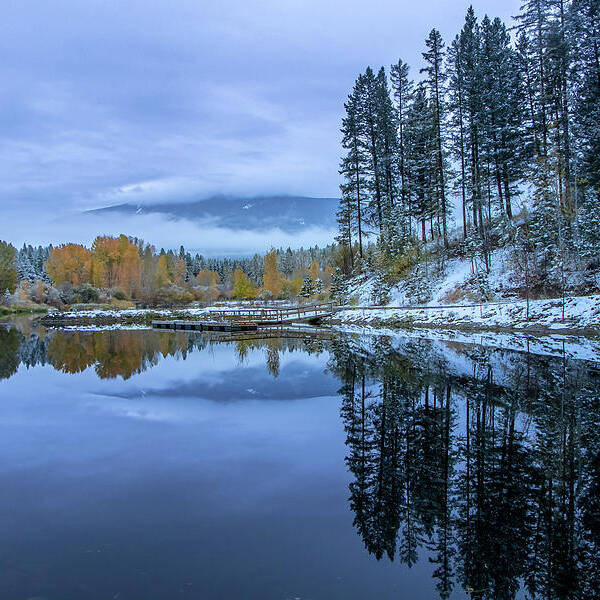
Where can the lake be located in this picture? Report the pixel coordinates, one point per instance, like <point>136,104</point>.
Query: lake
<point>158,465</point>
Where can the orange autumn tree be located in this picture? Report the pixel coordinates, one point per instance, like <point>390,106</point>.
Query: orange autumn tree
<point>129,275</point>
<point>315,270</point>
<point>116,263</point>
<point>209,279</point>
<point>105,261</point>
<point>272,279</point>
<point>162,275</point>
<point>69,263</point>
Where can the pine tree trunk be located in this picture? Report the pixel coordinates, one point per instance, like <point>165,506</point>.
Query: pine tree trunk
<point>440,157</point>
<point>565,116</point>
<point>358,211</point>
<point>462,167</point>
<point>507,199</point>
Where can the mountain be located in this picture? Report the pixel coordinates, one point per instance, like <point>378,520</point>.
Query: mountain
<point>288,213</point>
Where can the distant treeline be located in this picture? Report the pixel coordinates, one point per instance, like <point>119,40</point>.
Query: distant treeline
<point>129,268</point>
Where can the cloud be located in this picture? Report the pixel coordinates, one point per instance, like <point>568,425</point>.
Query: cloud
<point>100,98</point>
<point>205,238</point>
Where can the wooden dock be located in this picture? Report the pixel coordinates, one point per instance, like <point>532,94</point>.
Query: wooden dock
<point>275,316</point>
<point>250,319</point>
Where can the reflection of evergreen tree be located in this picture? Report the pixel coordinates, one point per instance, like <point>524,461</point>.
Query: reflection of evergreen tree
<point>505,495</point>
<point>9,347</point>
<point>33,349</point>
<point>554,569</point>
<point>443,540</point>
<point>359,432</point>
<point>495,490</point>
<point>273,363</point>
<point>589,500</point>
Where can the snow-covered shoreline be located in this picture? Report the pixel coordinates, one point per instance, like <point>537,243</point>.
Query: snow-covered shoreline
<point>581,316</point>
<point>580,313</point>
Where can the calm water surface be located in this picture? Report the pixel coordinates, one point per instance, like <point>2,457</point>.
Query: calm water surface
<point>160,465</point>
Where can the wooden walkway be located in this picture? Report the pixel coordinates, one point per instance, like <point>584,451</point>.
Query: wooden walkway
<point>250,319</point>
<point>275,316</point>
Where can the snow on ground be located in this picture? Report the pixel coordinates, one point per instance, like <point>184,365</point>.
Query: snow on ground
<point>116,326</point>
<point>138,312</point>
<point>579,312</point>
<point>124,313</point>
<point>432,288</point>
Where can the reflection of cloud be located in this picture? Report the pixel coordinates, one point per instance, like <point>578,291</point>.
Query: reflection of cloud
<point>295,382</point>
<point>206,238</point>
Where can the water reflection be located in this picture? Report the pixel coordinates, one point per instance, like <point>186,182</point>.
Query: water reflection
<point>124,353</point>
<point>482,461</point>
<point>487,460</point>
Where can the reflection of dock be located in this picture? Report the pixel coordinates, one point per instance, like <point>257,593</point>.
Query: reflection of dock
<point>250,319</point>
<point>204,326</point>
<point>299,333</point>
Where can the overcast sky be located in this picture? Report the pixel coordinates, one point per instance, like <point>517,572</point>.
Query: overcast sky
<point>105,101</point>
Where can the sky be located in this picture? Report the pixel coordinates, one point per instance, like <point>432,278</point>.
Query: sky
<point>104,102</point>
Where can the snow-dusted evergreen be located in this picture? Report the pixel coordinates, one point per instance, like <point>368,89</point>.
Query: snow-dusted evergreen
<point>500,131</point>
<point>30,263</point>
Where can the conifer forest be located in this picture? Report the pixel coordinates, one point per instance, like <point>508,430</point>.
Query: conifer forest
<point>494,143</point>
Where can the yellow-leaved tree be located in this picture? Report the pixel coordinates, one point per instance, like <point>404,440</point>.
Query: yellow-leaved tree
<point>162,276</point>
<point>315,270</point>
<point>116,262</point>
<point>70,263</point>
<point>243,288</point>
<point>272,279</point>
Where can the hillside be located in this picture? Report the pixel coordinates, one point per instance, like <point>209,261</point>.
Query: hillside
<point>260,213</point>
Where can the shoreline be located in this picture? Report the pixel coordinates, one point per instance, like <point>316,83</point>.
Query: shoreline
<point>576,316</point>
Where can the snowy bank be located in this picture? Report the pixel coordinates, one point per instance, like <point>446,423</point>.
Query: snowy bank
<point>582,312</point>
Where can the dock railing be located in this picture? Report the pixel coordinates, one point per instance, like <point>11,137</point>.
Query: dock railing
<point>275,314</point>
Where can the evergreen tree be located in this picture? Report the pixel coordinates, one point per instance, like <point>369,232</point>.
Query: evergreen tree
<point>307,289</point>
<point>457,105</point>
<point>380,293</point>
<point>402,88</point>
<point>338,291</point>
<point>502,95</point>
<point>353,169</point>
<point>388,128</point>
<point>420,159</point>
<point>318,286</point>
<point>370,126</point>
<point>584,20</point>
<point>436,78</point>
